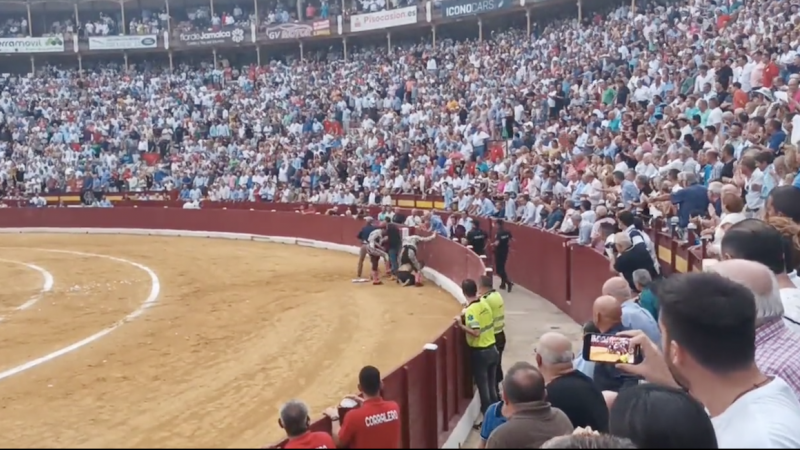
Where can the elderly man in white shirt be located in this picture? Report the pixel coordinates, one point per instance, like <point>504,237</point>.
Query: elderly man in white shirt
<point>752,180</point>
<point>646,167</point>
<point>594,189</point>
<point>529,210</point>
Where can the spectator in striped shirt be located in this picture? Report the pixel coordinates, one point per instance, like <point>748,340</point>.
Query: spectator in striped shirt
<point>777,347</point>
<point>712,170</point>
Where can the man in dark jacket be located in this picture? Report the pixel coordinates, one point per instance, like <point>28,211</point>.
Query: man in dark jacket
<point>394,243</point>
<point>477,238</point>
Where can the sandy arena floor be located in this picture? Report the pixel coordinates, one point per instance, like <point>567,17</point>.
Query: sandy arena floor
<point>238,328</point>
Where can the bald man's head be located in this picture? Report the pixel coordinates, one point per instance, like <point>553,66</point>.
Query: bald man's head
<point>607,312</point>
<point>761,282</point>
<point>553,349</point>
<point>729,189</point>
<point>523,383</point>
<point>618,288</point>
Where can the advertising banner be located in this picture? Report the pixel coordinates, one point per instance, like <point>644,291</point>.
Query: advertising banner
<point>123,42</point>
<point>383,19</point>
<point>286,31</point>
<point>32,44</point>
<point>460,8</point>
<point>322,27</point>
<point>232,35</point>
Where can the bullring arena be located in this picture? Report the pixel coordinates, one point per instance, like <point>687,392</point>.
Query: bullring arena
<point>120,340</point>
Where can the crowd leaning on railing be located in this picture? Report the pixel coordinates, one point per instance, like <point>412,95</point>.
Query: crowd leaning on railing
<point>668,117</point>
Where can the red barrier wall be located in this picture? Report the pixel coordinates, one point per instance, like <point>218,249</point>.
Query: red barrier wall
<point>570,276</point>
<point>433,388</point>
<point>589,269</point>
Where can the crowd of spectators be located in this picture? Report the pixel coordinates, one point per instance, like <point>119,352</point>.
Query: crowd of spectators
<point>680,115</point>
<point>140,21</point>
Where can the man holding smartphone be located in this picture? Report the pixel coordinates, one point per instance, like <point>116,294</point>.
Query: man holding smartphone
<point>607,316</point>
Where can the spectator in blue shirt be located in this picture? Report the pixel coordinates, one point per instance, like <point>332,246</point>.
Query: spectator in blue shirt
<point>448,195</point>
<point>580,364</point>
<point>692,200</point>
<point>555,218</point>
<point>634,316</point>
<point>630,193</point>
<point>436,224</point>
<point>492,419</point>
<point>510,207</point>
<point>487,206</point>
<point>776,134</point>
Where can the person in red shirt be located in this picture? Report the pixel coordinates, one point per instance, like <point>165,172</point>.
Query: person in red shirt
<point>295,421</point>
<point>771,71</point>
<point>375,423</point>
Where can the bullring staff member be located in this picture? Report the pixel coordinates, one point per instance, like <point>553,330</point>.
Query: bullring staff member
<point>375,249</point>
<point>407,274</point>
<point>501,246</point>
<point>408,254</point>
<point>477,238</point>
<point>494,301</point>
<point>295,421</point>
<point>395,243</point>
<point>374,424</point>
<point>478,324</point>
<point>363,237</point>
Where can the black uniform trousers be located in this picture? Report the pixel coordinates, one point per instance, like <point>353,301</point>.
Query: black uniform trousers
<point>500,258</point>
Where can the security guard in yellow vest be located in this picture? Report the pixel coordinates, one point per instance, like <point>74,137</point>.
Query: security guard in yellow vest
<point>494,301</point>
<point>478,324</point>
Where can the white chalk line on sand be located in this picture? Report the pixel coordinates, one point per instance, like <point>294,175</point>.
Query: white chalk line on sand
<point>47,284</point>
<point>152,298</point>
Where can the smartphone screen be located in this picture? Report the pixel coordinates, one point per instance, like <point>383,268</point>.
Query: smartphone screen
<point>608,348</point>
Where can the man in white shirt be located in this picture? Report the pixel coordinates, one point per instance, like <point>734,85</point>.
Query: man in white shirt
<point>705,76</point>
<point>594,189</point>
<point>709,338</point>
<point>646,167</point>
<point>715,116</point>
<point>529,212</point>
<point>753,182</point>
<point>566,224</point>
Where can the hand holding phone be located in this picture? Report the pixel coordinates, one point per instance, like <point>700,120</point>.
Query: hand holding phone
<point>610,348</point>
<point>652,367</point>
